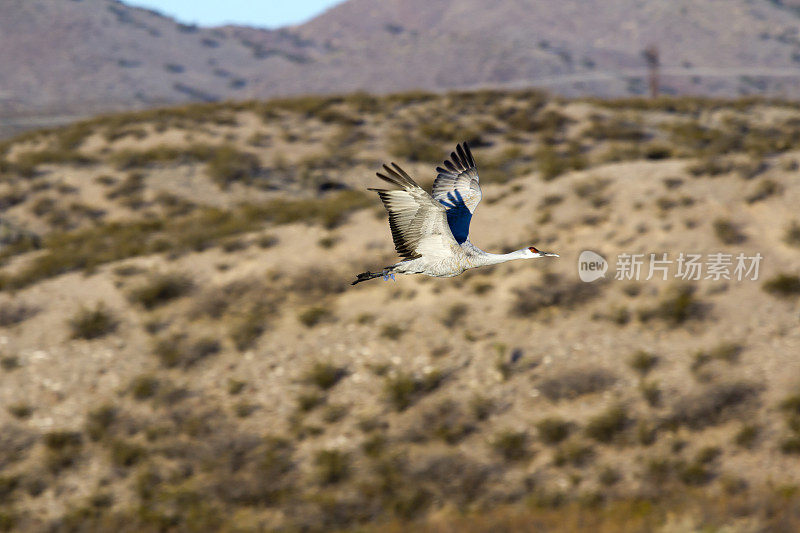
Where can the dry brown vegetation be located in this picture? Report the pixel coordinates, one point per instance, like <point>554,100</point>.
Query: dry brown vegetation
<point>180,348</point>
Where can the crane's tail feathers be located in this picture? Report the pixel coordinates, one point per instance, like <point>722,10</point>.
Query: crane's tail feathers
<point>386,273</point>
<point>366,276</point>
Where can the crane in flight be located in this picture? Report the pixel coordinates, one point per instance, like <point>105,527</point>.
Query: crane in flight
<point>431,231</point>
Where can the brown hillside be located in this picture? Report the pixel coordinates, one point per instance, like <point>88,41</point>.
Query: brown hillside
<point>180,348</point>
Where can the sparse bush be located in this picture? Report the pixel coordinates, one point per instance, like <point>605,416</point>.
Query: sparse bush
<point>100,420</point>
<point>20,410</point>
<point>126,454</point>
<point>727,232</point>
<point>573,453</point>
<point>228,165</point>
<point>643,362</point>
<point>572,383</point>
<point>792,235</point>
<point>604,427</point>
<point>392,331</point>
<point>324,375</point>
<point>177,351</point>
<point>783,285</point>
<point>454,314</point>
<point>553,293</point>
<point>404,389</point>
<point>711,405</point>
<point>92,323</point>
<point>9,362</point>
<point>746,436</point>
<point>333,466</point>
<point>650,392</point>
<point>609,476</point>
<point>678,306</point>
<point>308,401</point>
<point>511,445</point>
<point>161,289</point>
<point>144,387</point>
<point>445,421</point>
<point>63,448</point>
<point>553,430</point>
<point>314,315</point>
<point>764,190</point>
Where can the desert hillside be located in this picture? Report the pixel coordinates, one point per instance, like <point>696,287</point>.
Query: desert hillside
<point>180,348</point>
<point>62,58</point>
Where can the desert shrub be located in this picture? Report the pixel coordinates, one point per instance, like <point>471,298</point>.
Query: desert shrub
<point>746,436</point>
<point>677,306</point>
<point>481,407</point>
<point>176,351</point>
<point>609,476</point>
<point>20,410</point>
<point>309,400</point>
<point>312,316</point>
<point>62,449</point>
<point>454,314</point>
<point>553,162</point>
<point>711,405</point>
<point>413,147</point>
<point>650,392</point>
<point>643,362</point>
<point>161,289</point>
<point>710,166</point>
<point>92,323</point>
<point>144,386</point>
<point>763,190</point>
<point>333,466</point>
<point>13,313</point>
<point>324,375</point>
<point>575,382</point>
<point>228,165</point>
<point>132,185</point>
<point>574,453</point>
<point>235,386</point>
<point>511,445</point>
<point>404,389</point>
<point>9,362</point>
<point>125,454</point>
<point>446,421</point>
<point>728,232</point>
<point>605,426</point>
<point>783,285</point>
<point>247,327</point>
<point>554,292</point>
<point>553,430</point>
<point>792,235</point>
<point>99,420</point>
<point>392,331</point>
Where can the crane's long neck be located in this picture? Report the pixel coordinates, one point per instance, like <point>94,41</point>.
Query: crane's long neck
<point>496,259</point>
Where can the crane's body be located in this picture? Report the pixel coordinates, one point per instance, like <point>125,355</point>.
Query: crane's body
<point>431,230</point>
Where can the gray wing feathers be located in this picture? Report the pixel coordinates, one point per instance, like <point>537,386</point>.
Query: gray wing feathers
<point>418,223</point>
<point>458,181</point>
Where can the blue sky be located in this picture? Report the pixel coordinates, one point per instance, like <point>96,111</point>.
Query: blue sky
<point>260,13</point>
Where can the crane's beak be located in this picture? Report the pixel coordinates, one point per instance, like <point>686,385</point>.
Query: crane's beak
<point>548,254</point>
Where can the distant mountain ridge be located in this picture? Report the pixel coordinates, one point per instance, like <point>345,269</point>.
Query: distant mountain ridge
<point>80,56</point>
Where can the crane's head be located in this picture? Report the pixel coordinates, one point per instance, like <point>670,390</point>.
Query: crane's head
<point>533,252</point>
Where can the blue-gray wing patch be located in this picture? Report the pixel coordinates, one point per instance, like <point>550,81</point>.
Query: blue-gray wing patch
<point>458,189</point>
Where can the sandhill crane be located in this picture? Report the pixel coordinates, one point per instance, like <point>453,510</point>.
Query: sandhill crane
<point>430,231</point>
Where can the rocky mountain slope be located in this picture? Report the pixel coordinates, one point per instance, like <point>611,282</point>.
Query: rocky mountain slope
<point>61,58</point>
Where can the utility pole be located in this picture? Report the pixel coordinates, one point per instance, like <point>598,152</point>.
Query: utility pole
<point>651,56</point>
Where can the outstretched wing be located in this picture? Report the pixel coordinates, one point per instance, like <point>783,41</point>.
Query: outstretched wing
<point>418,223</point>
<point>458,189</point>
